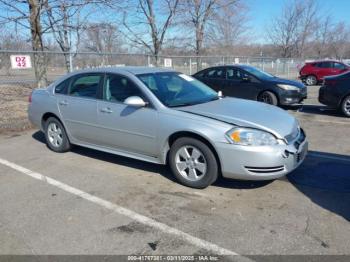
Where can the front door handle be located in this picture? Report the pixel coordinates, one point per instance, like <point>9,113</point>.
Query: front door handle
<point>63,103</point>
<point>106,110</point>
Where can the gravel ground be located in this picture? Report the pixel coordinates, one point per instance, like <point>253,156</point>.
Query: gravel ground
<point>13,107</point>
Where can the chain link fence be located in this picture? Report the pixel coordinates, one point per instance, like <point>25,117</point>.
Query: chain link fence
<point>17,77</point>
<point>58,64</point>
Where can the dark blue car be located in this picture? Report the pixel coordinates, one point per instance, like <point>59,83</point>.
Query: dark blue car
<point>248,82</point>
<point>335,92</point>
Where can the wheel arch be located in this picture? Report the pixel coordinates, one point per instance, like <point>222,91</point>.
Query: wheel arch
<point>314,75</point>
<point>46,116</point>
<point>343,98</point>
<point>269,90</point>
<point>173,137</point>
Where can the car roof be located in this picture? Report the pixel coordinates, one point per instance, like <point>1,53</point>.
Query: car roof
<point>320,61</point>
<point>242,66</point>
<point>135,70</point>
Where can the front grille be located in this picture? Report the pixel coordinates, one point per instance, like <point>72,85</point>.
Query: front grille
<point>264,169</point>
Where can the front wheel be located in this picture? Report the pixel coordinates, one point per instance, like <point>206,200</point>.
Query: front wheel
<point>345,106</point>
<point>193,163</point>
<point>268,98</point>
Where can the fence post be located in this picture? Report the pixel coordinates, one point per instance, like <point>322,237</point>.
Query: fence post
<point>148,61</point>
<point>70,61</point>
<point>190,66</point>
<point>263,64</point>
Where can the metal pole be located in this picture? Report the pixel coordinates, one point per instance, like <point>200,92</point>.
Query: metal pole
<point>190,66</point>
<point>70,61</point>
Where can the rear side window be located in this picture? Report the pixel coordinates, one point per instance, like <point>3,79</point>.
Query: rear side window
<point>85,86</point>
<point>324,65</point>
<point>62,87</point>
<point>216,73</point>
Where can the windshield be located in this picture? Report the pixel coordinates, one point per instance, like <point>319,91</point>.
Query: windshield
<point>258,73</point>
<point>175,89</point>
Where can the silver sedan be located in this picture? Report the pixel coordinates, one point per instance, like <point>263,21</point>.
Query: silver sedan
<point>166,117</point>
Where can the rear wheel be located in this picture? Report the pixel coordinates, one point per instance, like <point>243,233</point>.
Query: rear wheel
<point>311,80</point>
<point>268,98</point>
<point>56,137</point>
<point>345,106</point>
<point>193,163</point>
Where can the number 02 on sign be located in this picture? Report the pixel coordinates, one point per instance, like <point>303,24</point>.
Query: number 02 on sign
<point>20,62</point>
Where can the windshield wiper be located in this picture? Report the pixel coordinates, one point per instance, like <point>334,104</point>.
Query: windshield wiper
<point>195,103</point>
<point>182,104</point>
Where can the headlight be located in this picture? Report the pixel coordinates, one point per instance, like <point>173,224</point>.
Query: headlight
<point>288,87</point>
<point>251,137</point>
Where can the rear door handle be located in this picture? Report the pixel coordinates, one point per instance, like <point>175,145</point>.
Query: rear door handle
<point>63,103</point>
<point>106,110</point>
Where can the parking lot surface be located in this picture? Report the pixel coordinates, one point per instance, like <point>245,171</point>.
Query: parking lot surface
<point>89,202</point>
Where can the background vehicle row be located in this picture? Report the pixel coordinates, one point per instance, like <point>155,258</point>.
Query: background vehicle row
<point>248,82</point>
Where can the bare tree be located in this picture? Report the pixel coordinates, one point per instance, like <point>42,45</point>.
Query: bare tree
<point>62,19</point>
<point>103,38</point>
<point>229,28</point>
<point>307,25</point>
<point>339,40</point>
<point>322,35</point>
<point>197,14</point>
<point>28,14</point>
<point>147,27</point>
<point>283,31</point>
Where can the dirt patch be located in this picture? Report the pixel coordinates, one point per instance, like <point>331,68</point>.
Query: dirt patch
<point>13,107</point>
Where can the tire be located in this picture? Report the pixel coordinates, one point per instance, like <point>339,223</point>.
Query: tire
<point>193,163</point>
<point>268,98</point>
<point>345,106</point>
<point>56,136</point>
<point>311,80</point>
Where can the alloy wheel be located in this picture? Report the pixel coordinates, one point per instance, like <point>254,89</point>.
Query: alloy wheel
<point>55,135</point>
<point>311,80</point>
<point>266,98</point>
<point>346,105</point>
<point>191,163</point>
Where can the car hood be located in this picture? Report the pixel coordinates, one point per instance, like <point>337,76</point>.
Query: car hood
<point>277,80</point>
<point>247,113</point>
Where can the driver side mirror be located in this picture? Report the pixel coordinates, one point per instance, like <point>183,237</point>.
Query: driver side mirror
<point>135,101</point>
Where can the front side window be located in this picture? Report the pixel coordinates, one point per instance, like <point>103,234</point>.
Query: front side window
<point>85,86</point>
<point>258,73</point>
<point>339,66</point>
<point>235,74</point>
<point>117,88</point>
<point>175,89</point>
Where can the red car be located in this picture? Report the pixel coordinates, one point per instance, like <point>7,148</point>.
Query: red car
<point>314,72</point>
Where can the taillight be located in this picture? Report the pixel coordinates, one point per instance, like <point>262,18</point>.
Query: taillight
<point>30,97</point>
